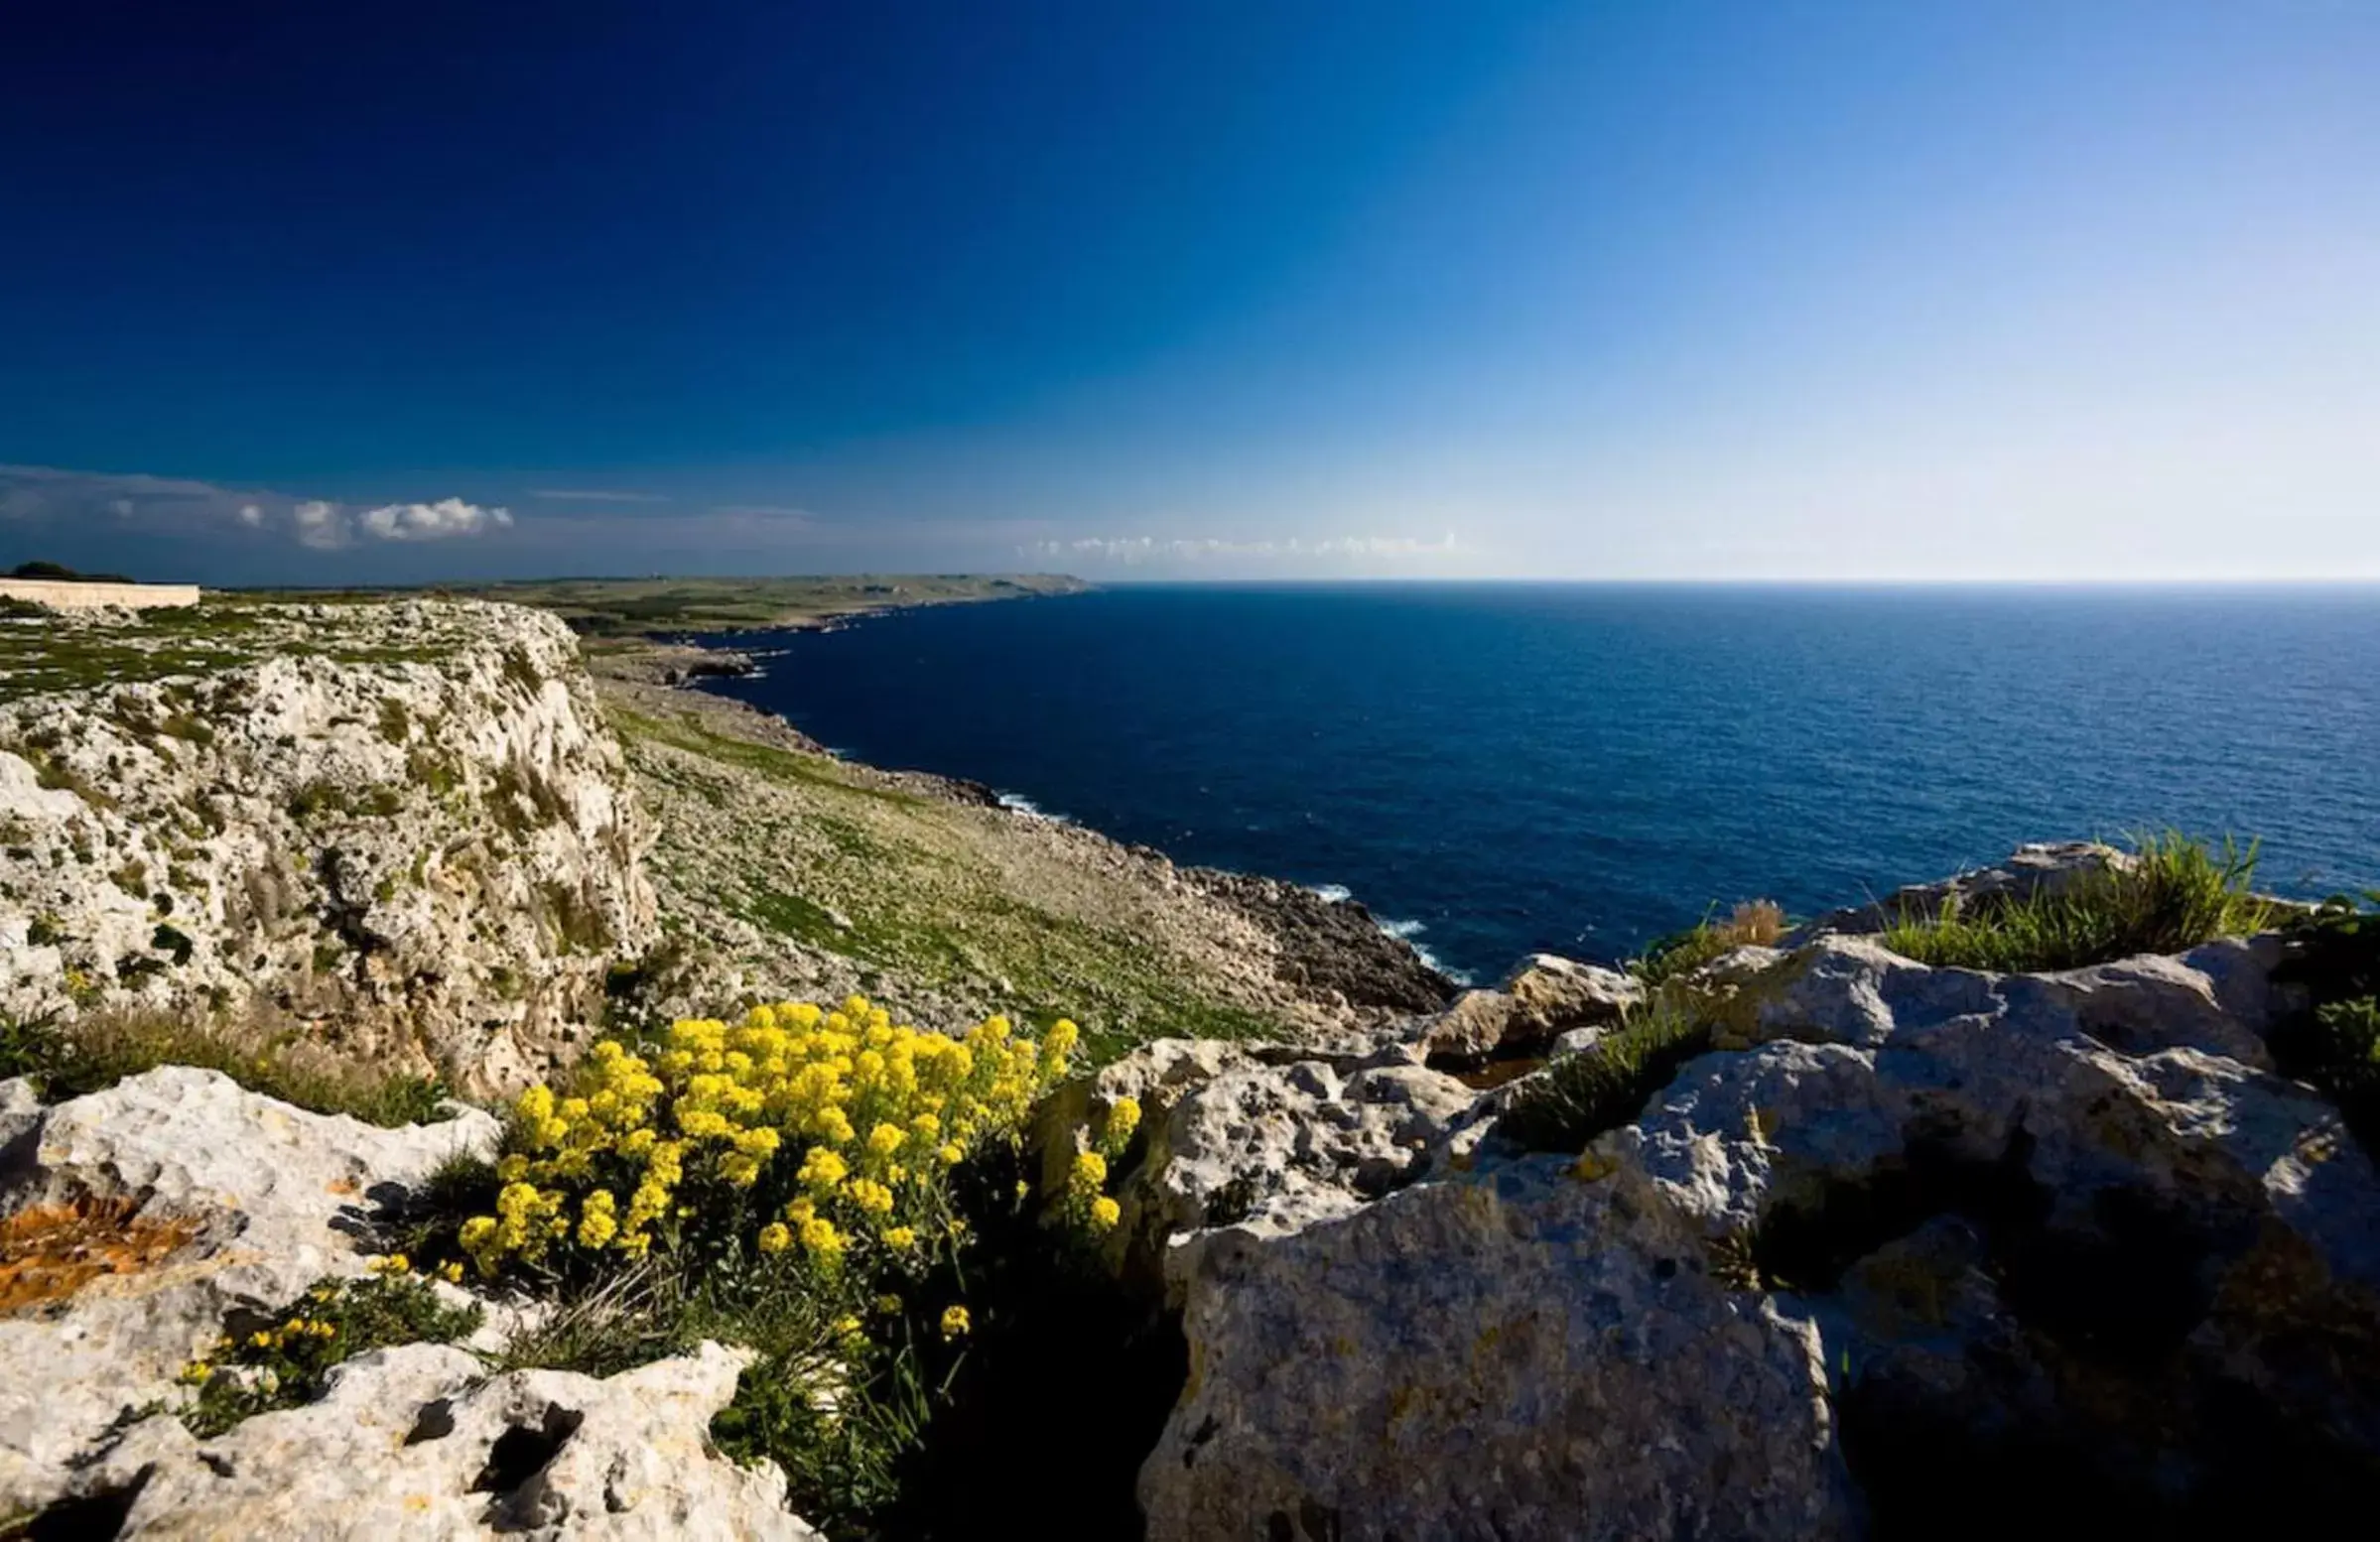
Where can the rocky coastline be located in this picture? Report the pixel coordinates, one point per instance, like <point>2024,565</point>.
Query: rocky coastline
<point>1789,1233</point>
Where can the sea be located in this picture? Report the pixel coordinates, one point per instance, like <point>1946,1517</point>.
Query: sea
<point>1502,769</point>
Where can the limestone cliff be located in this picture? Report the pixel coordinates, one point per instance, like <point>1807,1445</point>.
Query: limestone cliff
<point>403,826</point>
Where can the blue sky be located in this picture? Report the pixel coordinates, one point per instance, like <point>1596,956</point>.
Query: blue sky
<point>1271,289</point>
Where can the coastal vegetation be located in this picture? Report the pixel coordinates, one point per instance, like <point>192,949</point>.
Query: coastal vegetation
<point>892,888</point>
<point>1750,923</point>
<point>283,1362</point>
<point>1580,1097</point>
<point>254,1049</point>
<point>2170,894</point>
<point>808,1183</point>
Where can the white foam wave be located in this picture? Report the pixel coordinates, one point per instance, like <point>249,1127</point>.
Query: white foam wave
<point>1334,893</point>
<point>1018,803</point>
<point>1407,932</point>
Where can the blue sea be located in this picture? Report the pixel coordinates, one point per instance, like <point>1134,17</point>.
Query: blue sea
<point>1500,769</point>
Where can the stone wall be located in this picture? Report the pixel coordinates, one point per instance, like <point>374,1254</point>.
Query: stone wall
<point>72,594</point>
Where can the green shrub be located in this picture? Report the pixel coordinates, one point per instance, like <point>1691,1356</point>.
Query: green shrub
<point>2174,894</point>
<point>1580,1097</point>
<point>283,1362</point>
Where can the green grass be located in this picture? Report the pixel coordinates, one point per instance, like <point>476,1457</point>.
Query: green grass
<point>2175,894</point>
<point>919,908</point>
<point>1755,923</point>
<point>1580,1097</point>
<point>100,1049</point>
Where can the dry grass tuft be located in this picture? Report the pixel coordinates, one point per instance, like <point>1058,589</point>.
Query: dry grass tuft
<point>47,1252</point>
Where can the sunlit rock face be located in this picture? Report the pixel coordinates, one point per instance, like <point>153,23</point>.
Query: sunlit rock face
<point>400,827</point>
<point>1912,1237</point>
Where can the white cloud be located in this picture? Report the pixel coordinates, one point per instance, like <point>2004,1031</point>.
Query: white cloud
<point>430,521</point>
<point>319,525</point>
<point>33,498</point>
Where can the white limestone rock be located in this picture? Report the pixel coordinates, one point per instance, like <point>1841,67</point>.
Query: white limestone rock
<point>416,1442</point>
<point>274,1198</point>
<point>403,826</point>
<point>1910,1199</point>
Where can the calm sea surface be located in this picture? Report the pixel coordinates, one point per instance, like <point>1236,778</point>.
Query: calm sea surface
<point>1500,769</point>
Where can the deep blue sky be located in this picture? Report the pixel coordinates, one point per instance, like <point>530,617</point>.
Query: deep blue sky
<point>1852,289</point>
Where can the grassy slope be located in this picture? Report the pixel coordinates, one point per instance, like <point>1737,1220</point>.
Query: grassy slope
<point>837,872</point>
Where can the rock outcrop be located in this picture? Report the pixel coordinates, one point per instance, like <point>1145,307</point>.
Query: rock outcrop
<point>1914,1243</point>
<point>418,1442</point>
<point>1545,998</point>
<point>403,826</point>
<point>140,1220</point>
<point>2035,868</point>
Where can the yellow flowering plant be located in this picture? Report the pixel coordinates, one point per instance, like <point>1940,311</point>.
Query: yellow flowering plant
<point>799,1136</point>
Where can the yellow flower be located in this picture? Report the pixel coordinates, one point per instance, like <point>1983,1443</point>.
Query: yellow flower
<point>261,1340</point>
<point>1089,1173</point>
<point>900,1236</point>
<point>950,1153</point>
<point>450,1272</point>
<point>885,1140</point>
<point>1105,1213</point>
<point>849,1327</point>
<point>774,1237</point>
<point>953,1322</point>
<point>822,1168</point>
<point>820,1238</point>
<point>1123,1117</point>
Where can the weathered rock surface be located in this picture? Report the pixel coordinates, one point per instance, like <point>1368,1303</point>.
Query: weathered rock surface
<point>403,824</point>
<point>1916,1238</point>
<point>1545,998</point>
<point>260,1199</point>
<point>416,1442</point>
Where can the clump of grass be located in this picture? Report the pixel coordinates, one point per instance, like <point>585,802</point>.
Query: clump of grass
<point>1753,923</point>
<point>100,1049</point>
<point>1580,1097</point>
<point>285,1362</point>
<point>2174,894</point>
